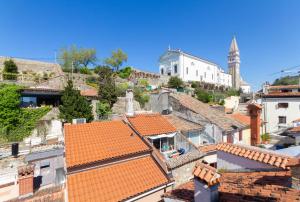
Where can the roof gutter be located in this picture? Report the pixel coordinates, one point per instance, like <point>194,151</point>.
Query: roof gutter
<point>150,192</point>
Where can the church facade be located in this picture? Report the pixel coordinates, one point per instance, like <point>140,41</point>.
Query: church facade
<point>192,68</point>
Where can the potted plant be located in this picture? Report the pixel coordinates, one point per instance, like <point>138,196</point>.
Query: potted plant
<point>265,138</point>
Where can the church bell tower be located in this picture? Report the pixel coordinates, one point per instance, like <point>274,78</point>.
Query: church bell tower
<point>234,64</point>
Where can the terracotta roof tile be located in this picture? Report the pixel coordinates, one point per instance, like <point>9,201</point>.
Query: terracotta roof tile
<point>97,141</point>
<point>257,186</point>
<point>295,129</point>
<point>284,87</point>
<point>184,192</point>
<point>116,182</point>
<point>282,94</point>
<point>206,173</point>
<point>208,148</point>
<point>256,154</point>
<point>89,93</point>
<point>151,124</point>
<point>215,116</point>
<point>241,118</point>
<point>182,124</point>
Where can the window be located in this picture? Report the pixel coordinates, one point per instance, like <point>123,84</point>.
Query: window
<point>162,71</point>
<point>196,72</point>
<point>187,70</point>
<point>212,77</point>
<point>229,138</point>
<point>204,74</point>
<point>192,63</point>
<point>208,68</point>
<point>175,69</point>
<point>201,78</point>
<point>282,119</point>
<point>283,105</point>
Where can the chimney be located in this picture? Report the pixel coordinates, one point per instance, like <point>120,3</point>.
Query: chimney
<point>255,123</point>
<point>25,177</point>
<point>129,103</point>
<point>294,164</point>
<point>266,87</point>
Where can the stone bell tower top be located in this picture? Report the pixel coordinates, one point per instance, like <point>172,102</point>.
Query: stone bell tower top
<point>234,64</point>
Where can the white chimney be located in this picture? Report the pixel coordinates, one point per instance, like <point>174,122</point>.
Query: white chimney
<point>129,103</point>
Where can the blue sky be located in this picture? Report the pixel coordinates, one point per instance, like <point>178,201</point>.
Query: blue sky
<point>268,32</point>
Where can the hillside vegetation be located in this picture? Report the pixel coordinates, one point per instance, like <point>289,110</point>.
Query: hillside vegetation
<point>286,80</point>
<point>15,122</point>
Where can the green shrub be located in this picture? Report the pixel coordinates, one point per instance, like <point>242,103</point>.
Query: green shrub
<point>143,82</point>
<point>103,110</point>
<point>203,95</point>
<point>85,70</point>
<point>175,82</point>
<point>10,70</point>
<point>121,89</point>
<point>141,96</point>
<point>265,137</point>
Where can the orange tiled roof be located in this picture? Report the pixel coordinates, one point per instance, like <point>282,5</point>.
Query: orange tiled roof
<point>184,192</point>
<point>282,94</point>
<point>244,119</point>
<point>297,120</point>
<point>182,124</point>
<point>284,87</point>
<point>256,154</point>
<point>257,186</point>
<point>295,129</point>
<point>97,141</point>
<point>89,93</point>
<point>208,148</point>
<point>207,174</point>
<point>116,182</point>
<point>151,124</point>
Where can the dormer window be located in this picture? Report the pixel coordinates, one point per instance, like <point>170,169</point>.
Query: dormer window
<point>162,71</point>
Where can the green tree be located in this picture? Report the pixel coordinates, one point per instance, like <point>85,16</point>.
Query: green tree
<point>74,105</point>
<point>103,110</point>
<point>116,60</point>
<point>140,96</point>
<point>80,57</point>
<point>175,82</point>
<point>125,72</point>
<point>10,70</point>
<point>107,87</point>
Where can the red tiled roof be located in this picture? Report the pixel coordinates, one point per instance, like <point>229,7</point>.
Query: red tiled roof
<point>284,87</point>
<point>182,124</point>
<point>257,186</point>
<point>241,118</point>
<point>97,141</point>
<point>256,154</point>
<point>184,192</point>
<point>89,93</point>
<point>151,124</point>
<point>295,129</point>
<point>116,182</point>
<point>282,94</point>
<point>208,148</point>
<point>206,173</point>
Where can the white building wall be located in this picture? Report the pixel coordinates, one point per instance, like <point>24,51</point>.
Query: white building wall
<point>190,68</point>
<point>271,112</point>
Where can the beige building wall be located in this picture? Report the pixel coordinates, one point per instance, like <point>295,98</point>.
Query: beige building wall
<point>246,136</point>
<point>156,196</point>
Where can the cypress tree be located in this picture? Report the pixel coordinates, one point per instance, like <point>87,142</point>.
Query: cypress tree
<point>74,105</point>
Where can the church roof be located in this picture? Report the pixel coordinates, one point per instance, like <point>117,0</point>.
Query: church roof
<point>233,46</point>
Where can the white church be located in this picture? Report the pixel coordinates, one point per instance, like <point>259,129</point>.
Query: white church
<point>192,68</point>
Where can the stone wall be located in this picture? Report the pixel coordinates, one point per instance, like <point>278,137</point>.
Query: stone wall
<point>183,173</point>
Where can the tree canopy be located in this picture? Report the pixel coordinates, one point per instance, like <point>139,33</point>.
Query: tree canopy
<point>116,60</point>
<point>10,70</point>
<point>80,57</point>
<point>107,87</point>
<point>74,105</point>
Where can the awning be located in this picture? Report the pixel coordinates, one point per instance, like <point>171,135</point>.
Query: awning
<point>210,159</point>
<point>169,135</point>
